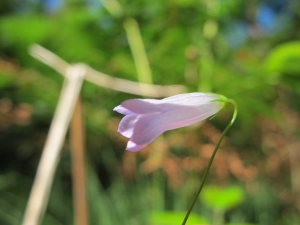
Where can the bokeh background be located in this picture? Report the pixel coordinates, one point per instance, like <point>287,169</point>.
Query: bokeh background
<point>246,50</point>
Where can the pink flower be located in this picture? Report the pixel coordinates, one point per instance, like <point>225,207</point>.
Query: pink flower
<point>145,119</point>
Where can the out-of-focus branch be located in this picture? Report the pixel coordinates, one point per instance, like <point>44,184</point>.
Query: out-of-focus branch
<point>49,58</point>
<point>104,80</point>
<point>39,195</point>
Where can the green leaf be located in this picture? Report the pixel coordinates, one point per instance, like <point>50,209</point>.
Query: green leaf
<point>241,224</point>
<point>171,218</point>
<point>222,198</point>
<point>5,80</point>
<point>25,30</point>
<point>284,58</point>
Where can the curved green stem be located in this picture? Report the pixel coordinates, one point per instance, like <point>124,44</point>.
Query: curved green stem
<point>211,160</point>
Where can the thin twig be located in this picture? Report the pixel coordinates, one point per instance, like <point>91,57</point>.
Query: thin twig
<point>39,195</point>
<point>103,80</point>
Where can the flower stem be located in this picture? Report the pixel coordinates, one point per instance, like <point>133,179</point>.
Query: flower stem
<point>211,159</point>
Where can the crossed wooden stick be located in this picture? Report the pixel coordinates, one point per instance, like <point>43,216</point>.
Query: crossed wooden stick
<point>69,110</point>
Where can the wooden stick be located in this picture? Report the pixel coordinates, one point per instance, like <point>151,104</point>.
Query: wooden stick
<point>78,166</point>
<point>39,195</point>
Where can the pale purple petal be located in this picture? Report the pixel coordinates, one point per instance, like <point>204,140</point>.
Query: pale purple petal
<point>144,132</point>
<point>149,126</point>
<point>133,147</point>
<point>144,106</point>
<point>148,118</point>
<point>191,99</point>
<point>122,110</point>
<point>138,106</point>
<point>127,124</point>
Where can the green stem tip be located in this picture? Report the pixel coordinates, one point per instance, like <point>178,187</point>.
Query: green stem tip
<point>212,158</point>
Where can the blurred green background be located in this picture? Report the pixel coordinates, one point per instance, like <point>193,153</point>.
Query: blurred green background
<point>246,50</point>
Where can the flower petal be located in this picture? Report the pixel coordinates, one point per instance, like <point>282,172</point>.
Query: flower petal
<point>138,106</point>
<point>127,124</point>
<point>149,126</point>
<point>145,130</point>
<point>147,118</point>
<point>133,147</point>
<point>191,99</point>
<point>144,106</point>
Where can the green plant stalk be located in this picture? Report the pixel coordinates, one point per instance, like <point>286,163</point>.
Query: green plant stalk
<point>218,216</point>
<point>211,159</point>
<point>113,7</point>
<point>138,51</point>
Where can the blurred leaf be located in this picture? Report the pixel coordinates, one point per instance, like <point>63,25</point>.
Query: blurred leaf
<point>171,218</point>
<point>184,3</point>
<point>222,198</point>
<point>284,58</point>
<point>24,31</point>
<point>5,80</point>
<point>241,224</point>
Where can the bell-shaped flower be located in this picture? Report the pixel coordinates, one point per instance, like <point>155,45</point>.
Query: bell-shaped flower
<point>145,119</point>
